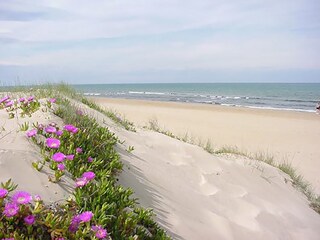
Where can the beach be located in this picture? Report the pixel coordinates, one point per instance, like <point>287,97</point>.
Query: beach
<point>288,136</point>
<point>193,193</point>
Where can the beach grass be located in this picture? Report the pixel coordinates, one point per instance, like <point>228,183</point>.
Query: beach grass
<point>297,180</point>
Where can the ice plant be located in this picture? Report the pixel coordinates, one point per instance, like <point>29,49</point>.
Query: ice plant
<point>4,99</point>
<point>79,150</point>
<point>3,192</point>
<point>59,133</point>
<point>52,124</point>
<point>90,159</point>
<point>86,216</point>
<point>22,197</point>
<point>74,225</point>
<point>30,99</point>
<point>52,100</point>
<point>53,143</point>
<point>9,104</point>
<point>71,128</point>
<point>30,219</point>
<point>99,232</point>
<point>70,157</point>
<point>37,198</point>
<point>80,182</point>
<point>32,133</point>
<point>88,175</point>
<point>61,166</point>
<point>10,209</point>
<point>58,157</point>
<point>22,99</point>
<point>50,129</point>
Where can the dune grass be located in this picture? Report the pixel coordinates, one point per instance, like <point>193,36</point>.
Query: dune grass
<point>297,180</point>
<point>111,114</point>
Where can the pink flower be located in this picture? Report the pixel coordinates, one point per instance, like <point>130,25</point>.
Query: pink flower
<point>90,159</point>
<point>79,150</point>
<point>30,219</point>
<point>52,124</point>
<point>32,133</point>
<point>52,100</point>
<point>4,99</point>
<point>71,128</point>
<point>70,157</point>
<point>99,232</point>
<point>74,225</point>
<point>22,197</point>
<point>3,192</point>
<point>59,133</point>
<point>88,175</point>
<point>9,104</point>
<point>86,216</point>
<point>37,198</point>
<point>50,129</point>
<point>53,143</point>
<point>22,99</point>
<point>30,99</point>
<point>11,209</point>
<point>58,157</point>
<point>61,166</point>
<point>80,182</point>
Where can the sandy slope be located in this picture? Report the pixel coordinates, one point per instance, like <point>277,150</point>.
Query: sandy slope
<point>17,154</point>
<point>197,195</point>
<point>289,136</point>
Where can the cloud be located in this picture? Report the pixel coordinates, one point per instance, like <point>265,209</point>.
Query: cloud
<point>160,35</point>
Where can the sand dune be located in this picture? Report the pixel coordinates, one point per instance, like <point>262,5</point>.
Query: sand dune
<point>288,136</point>
<point>17,154</point>
<point>197,195</point>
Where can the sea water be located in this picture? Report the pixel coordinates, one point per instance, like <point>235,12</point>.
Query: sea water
<point>283,96</point>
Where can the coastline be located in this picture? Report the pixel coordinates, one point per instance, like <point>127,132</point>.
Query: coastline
<point>288,136</point>
<point>194,194</point>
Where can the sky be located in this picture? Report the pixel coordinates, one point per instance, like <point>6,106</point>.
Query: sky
<point>125,41</point>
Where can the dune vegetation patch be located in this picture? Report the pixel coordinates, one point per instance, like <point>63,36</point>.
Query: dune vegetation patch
<point>99,208</point>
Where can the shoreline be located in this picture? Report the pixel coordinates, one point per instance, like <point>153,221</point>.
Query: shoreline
<point>93,96</point>
<point>288,136</point>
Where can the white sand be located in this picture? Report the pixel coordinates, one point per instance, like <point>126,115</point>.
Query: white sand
<point>17,153</point>
<point>288,136</point>
<point>197,195</point>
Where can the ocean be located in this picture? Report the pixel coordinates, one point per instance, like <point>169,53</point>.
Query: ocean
<point>282,96</point>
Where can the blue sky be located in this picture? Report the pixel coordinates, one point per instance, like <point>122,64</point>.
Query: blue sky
<point>122,41</point>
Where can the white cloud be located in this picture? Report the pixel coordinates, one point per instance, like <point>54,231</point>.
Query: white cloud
<point>236,34</point>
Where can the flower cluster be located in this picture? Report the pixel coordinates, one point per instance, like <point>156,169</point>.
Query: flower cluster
<point>30,215</point>
<point>18,204</point>
<point>27,105</point>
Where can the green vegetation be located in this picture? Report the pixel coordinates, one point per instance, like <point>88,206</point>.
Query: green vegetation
<point>100,208</point>
<point>110,202</point>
